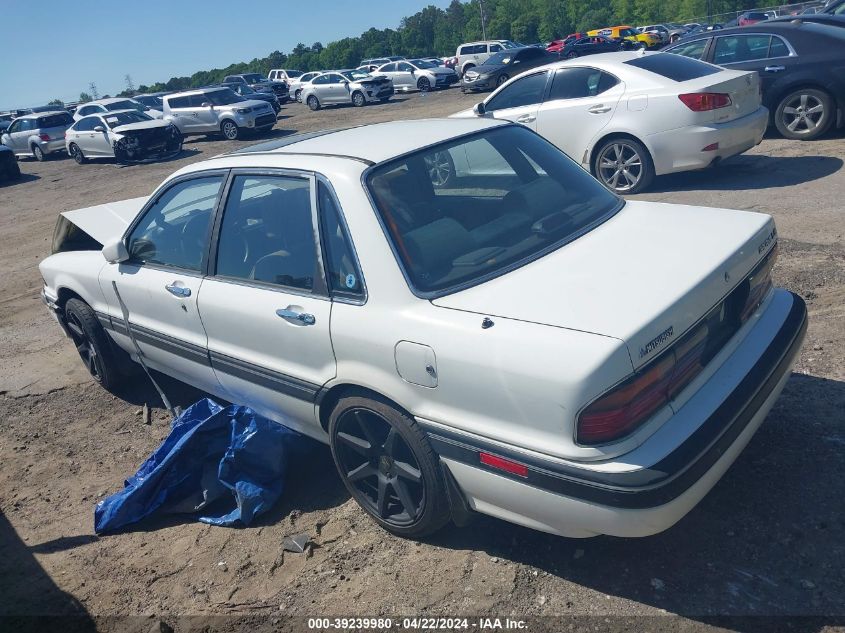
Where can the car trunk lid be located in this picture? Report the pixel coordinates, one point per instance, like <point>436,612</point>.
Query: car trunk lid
<point>645,276</point>
<point>742,87</point>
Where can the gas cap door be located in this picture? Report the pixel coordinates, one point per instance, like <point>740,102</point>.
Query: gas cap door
<point>416,363</point>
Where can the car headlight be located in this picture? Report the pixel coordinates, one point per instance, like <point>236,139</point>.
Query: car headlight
<point>243,110</point>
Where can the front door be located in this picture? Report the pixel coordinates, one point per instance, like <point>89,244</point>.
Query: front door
<point>161,281</point>
<point>98,143</point>
<point>520,100</point>
<point>266,308</point>
<point>580,104</point>
<point>18,134</point>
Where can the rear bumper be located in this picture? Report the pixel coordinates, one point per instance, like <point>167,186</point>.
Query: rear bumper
<point>53,145</point>
<point>681,149</point>
<point>636,495</point>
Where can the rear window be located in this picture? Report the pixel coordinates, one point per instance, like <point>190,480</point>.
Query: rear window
<point>54,120</point>
<point>674,67</point>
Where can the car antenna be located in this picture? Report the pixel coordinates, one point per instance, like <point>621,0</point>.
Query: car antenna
<point>174,412</point>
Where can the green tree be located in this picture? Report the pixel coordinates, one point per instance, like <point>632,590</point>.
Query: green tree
<point>84,97</point>
<point>57,102</point>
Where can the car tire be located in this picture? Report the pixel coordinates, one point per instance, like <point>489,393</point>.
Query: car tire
<point>358,99</point>
<point>14,170</point>
<point>571,55</point>
<point>230,130</point>
<point>388,466</point>
<point>297,96</point>
<point>93,345</point>
<point>797,111</point>
<point>623,158</point>
<point>38,153</point>
<point>502,79</point>
<point>313,103</point>
<point>76,154</point>
<point>423,84</point>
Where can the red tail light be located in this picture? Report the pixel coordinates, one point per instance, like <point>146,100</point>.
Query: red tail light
<point>629,405</point>
<point>704,101</point>
<point>44,137</point>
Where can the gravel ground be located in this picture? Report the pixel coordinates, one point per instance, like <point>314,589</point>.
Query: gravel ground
<point>769,540</point>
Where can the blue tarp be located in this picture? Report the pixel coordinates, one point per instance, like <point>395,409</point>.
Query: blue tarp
<point>213,454</point>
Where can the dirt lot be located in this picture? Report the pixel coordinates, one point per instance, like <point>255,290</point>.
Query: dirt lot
<point>768,540</point>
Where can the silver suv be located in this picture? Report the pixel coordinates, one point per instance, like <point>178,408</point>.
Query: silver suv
<point>38,134</point>
<point>474,54</point>
<point>217,110</point>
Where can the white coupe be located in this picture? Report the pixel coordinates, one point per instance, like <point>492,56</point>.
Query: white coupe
<point>629,116</point>
<point>515,340</point>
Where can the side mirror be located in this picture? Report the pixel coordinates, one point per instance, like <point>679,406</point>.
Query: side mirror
<point>479,109</point>
<point>99,128</point>
<point>115,252</point>
<point>206,104</point>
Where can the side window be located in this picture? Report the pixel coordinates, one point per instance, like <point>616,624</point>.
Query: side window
<point>577,83</point>
<point>196,101</point>
<point>335,79</point>
<point>14,127</point>
<point>267,233</point>
<point>521,92</point>
<point>778,48</point>
<point>690,49</point>
<point>494,48</point>
<point>175,229</point>
<point>405,67</point>
<point>388,68</point>
<point>465,50</point>
<point>179,102</point>
<point>342,271</point>
<point>88,124</point>
<point>733,49</point>
<point>322,79</point>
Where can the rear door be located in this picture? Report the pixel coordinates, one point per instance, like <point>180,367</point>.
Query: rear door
<point>161,281</point>
<point>580,103</point>
<point>184,116</point>
<point>769,55</point>
<point>520,100</point>
<point>266,307</point>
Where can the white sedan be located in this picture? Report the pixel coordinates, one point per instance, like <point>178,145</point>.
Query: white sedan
<point>112,104</point>
<point>486,344</point>
<point>629,116</point>
<point>127,135</point>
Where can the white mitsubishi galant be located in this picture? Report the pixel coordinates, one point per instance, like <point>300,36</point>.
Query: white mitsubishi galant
<point>511,339</point>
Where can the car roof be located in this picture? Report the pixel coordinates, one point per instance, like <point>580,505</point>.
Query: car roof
<point>36,115</point>
<point>796,26</point>
<point>374,143</point>
<point>106,101</point>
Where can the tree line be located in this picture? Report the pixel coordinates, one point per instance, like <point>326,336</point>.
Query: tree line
<point>435,31</point>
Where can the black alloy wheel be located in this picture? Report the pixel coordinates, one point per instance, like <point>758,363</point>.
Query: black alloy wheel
<point>388,467</point>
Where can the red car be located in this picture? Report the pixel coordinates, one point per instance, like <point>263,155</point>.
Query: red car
<point>555,46</point>
<point>751,17</point>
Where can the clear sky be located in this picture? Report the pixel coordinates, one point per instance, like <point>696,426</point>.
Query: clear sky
<point>54,49</point>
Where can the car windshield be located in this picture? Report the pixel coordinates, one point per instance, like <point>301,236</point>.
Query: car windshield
<point>509,44</point>
<point>294,73</point>
<point>421,63</point>
<point>254,78</point>
<point>126,105</point>
<point>153,102</point>
<point>355,75</point>
<point>223,97</point>
<point>627,32</point>
<point>466,210</point>
<point>125,118</point>
<point>245,90</point>
<point>499,59</point>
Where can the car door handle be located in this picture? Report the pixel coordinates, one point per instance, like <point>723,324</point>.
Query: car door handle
<point>526,118</point>
<point>774,69</point>
<point>301,317</point>
<point>178,291</point>
<point>599,109</point>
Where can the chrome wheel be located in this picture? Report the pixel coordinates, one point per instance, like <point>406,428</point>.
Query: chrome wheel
<point>440,168</point>
<point>358,100</point>
<point>38,153</point>
<point>379,467</point>
<point>76,153</point>
<point>620,166</point>
<point>85,347</point>
<point>803,113</point>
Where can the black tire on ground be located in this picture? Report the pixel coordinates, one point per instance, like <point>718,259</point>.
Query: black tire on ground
<point>805,114</point>
<point>358,99</point>
<point>502,79</point>
<point>93,345</point>
<point>313,103</point>
<point>423,84</point>
<point>230,130</point>
<point>298,95</point>
<point>77,154</point>
<point>623,165</point>
<point>14,170</point>
<point>388,466</point>
<point>38,153</point>
<point>571,55</point>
